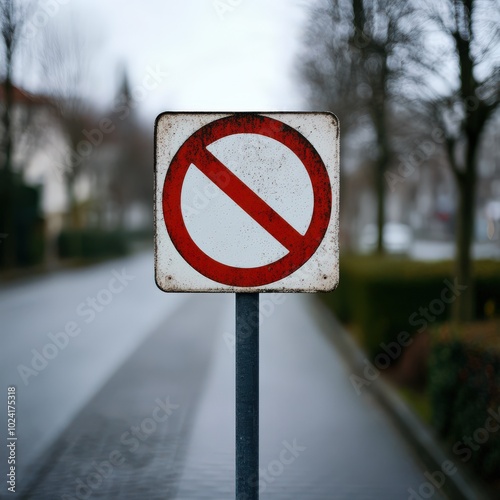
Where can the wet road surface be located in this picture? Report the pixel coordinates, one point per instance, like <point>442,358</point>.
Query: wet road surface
<point>140,404</point>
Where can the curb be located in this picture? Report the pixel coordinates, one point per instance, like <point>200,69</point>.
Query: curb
<point>459,486</point>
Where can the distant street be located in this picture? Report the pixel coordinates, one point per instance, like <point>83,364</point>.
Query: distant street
<point>442,250</point>
<point>140,403</point>
<point>52,393</point>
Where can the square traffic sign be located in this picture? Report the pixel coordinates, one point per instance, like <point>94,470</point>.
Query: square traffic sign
<point>246,202</point>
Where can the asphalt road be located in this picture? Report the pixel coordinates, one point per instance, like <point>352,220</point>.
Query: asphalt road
<point>57,382</point>
<point>140,402</point>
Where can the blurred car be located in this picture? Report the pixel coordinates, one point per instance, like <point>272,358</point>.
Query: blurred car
<point>397,237</point>
<point>492,213</point>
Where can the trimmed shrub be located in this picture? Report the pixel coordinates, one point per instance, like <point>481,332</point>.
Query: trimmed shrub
<point>91,244</point>
<point>384,296</point>
<point>464,388</point>
<point>21,225</point>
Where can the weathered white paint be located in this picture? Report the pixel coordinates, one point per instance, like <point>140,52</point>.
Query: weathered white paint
<point>221,228</point>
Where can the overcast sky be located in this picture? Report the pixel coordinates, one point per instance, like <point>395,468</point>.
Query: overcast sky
<point>206,54</point>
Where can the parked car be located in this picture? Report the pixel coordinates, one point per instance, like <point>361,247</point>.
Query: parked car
<point>397,238</point>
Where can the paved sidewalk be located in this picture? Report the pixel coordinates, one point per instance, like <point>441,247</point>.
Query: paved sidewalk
<point>127,441</point>
<point>319,439</point>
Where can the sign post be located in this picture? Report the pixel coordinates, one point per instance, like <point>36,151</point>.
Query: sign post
<point>246,203</point>
<point>247,395</point>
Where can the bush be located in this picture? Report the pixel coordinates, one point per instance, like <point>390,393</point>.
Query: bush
<point>464,383</point>
<point>21,225</point>
<point>383,295</point>
<point>91,244</point>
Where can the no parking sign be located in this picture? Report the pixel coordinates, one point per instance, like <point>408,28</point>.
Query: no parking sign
<point>246,202</point>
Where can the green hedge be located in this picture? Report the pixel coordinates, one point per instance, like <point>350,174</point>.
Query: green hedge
<point>22,240</point>
<point>383,295</point>
<point>464,388</point>
<point>91,244</point>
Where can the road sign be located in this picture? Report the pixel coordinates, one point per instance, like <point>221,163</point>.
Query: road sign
<point>246,202</point>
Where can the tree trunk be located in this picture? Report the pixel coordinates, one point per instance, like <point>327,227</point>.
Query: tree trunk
<point>10,229</point>
<point>6,120</point>
<point>379,121</point>
<point>380,193</point>
<point>70,194</point>
<point>463,307</point>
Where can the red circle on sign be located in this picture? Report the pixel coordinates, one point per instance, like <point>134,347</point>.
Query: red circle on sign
<point>194,151</point>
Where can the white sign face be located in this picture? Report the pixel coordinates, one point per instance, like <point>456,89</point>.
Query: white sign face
<point>246,202</point>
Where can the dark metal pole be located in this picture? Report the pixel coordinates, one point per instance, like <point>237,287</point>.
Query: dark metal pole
<point>247,396</point>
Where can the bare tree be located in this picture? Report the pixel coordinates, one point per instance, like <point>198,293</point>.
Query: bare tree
<point>12,17</point>
<point>64,59</point>
<point>441,60</point>
<point>348,66</point>
<point>121,170</point>
<point>453,70</point>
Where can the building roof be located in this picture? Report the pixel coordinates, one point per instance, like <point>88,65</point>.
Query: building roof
<point>24,97</point>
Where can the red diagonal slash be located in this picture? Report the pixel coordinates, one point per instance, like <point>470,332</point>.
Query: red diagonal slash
<point>194,152</point>
<point>247,199</point>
